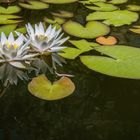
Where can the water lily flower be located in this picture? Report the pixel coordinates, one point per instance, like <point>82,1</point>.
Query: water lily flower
<point>14,56</point>
<point>46,41</point>
<point>49,40</point>
<point>14,52</point>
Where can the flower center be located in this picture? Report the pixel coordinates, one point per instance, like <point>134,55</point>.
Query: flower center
<point>10,45</point>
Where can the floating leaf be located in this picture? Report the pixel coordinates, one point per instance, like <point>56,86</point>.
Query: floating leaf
<point>7,28</point>
<point>21,30</point>
<point>116,18</point>
<point>92,29</point>
<point>34,5</point>
<point>110,40</point>
<point>9,10</point>
<point>59,1</point>
<point>118,1</point>
<point>9,19</point>
<point>133,7</point>
<point>119,61</point>
<point>135,29</point>
<point>63,14</point>
<point>91,1</point>
<point>100,6</point>
<point>42,88</point>
<point>81,47</point>
<point>55,20</point>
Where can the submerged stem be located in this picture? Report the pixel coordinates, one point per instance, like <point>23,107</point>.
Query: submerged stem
<point>4,90</point>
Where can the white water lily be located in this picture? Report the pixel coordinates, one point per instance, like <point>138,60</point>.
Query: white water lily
<point>49,40</point>
<point>14,51</point>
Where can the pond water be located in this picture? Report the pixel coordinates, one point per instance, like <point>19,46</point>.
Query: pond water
<point>101,108</point>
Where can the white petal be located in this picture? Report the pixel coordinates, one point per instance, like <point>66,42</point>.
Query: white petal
<point>18,65</point>
<point>11,38</point>
<point>30,30</point>
<point>37,32</point>
<point>63,40</point>
<point>3,38</point>
<point>41,28</point>
<point>56,49</point>
<point>19,40</point>
<point>48,31</point>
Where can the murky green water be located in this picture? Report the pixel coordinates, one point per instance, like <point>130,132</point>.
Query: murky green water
<point>101,108</point>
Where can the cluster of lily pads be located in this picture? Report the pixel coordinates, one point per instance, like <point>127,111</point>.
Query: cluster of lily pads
<point>33,51</point>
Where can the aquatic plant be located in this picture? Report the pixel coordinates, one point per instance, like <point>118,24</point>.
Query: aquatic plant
<point>19,56</point>
<point>13,54</point>
<point>44,41</point>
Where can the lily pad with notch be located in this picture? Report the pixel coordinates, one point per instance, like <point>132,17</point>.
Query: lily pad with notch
<point>42,88</point>
<point>100,6</point>
<point>91,30</point>
<point>119,61</point>
<point>81,46</point>
<point>9,10</point>
<point>34,5</point>
<point>116,18</point>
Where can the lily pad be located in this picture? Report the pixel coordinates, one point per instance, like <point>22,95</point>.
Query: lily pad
<point>133,7</point>
<point>59,1</point>
<point>135,29</point>
<point>42,88</point>
<point>100,6</point>
<point>7,28</point>
<point>81,47</point>
<point>34,5</point>
<point>118,1</point>
<point>63,14</point>
<point>9,19</point>
<point>116,18</point>
<point>91,1</point>
<point>110,40</point>
<point>21,30</point>
<point>91,30</point>
<point>55,20</point>
<point>9,10</point>
<point>119,61</point>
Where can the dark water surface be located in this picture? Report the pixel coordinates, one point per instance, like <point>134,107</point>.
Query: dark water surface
<point>101,108</point>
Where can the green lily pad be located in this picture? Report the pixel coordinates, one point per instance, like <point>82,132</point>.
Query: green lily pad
<point>119,61</point>
<point>9,19</point>
<point>116,18</point>
<point>55,20</point>
<point>42,88</point>
<point>21,30</point>
<point>34,5</point>
<point>91,1</point>
<point>133,8</point>
<point>135,29</point>
<point>7,28</point>
<point>100,6</point>
<point>81,47</point>
<point>9,10</point>
<point>92,29</point>
<point>118,1</point>
<point>63,14</point>
<point>59,1</point>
